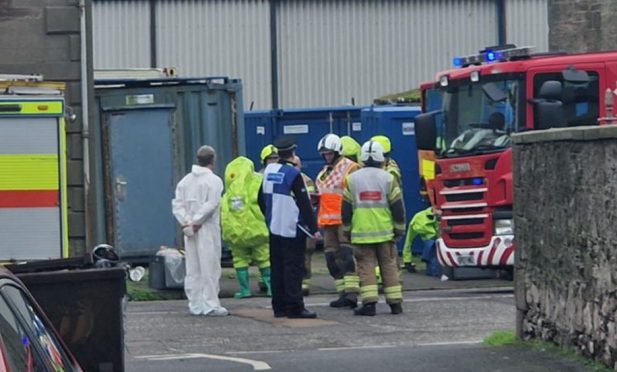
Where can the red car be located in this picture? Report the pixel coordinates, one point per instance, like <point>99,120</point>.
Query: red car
<point>28,341</point>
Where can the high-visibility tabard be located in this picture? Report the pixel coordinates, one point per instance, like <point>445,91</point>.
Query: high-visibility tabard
<point>33,203</point>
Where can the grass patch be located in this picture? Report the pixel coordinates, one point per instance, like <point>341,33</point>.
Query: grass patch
<point>407,97</point>
<point>141,291</point>
<point>500,338</point>
<point>565,352</point>
<point>508,337</point>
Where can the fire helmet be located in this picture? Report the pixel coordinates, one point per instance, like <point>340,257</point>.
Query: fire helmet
<point>330,142</point>
<point>372,153</point>
<point>384,142</point>
<point>267,152</point>
<point>350,147</point>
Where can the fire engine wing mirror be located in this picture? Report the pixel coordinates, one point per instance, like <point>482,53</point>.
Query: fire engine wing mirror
<point>574,76</point>
<point>426,131</point>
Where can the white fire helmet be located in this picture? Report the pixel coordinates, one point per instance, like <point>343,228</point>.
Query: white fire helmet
<point>330,142</point>
<point>372,152</point>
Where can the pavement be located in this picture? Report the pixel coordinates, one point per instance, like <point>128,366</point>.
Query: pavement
<point>322,282</point>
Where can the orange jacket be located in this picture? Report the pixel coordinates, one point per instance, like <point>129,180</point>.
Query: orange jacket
<point>330,183</point>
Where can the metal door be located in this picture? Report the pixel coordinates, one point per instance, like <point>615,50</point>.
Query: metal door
<point>140,180</point>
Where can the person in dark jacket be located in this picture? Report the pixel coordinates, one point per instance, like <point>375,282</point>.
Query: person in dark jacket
<point>285,202</point>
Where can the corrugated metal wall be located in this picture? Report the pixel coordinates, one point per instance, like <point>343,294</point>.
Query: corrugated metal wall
<point>328,50</point>
<point>331,51</point>
<point>121,34</point>
<point>527,23</point>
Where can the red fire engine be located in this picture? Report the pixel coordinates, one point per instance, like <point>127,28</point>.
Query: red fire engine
<point>469,114</point>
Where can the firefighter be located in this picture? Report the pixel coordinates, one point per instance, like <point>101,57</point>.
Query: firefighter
<point>330,184</point>
<point>391,167</point>
<point>351,148</point>
<point>269,154</point>
<point>244,227</point>
<point>423,224</point>
<point>373,216</point>
<point>310,242</point>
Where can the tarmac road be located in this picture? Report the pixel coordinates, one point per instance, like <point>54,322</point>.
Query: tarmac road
<point>440,330</point>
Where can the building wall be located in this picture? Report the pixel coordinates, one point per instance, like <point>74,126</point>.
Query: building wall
<point>582,25</point>
<point>329,51</point>
<point>566,258</point>
<point>43,37</point>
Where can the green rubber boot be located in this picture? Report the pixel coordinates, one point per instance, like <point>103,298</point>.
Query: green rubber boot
<point>243,279</point>
<point>265,275</point>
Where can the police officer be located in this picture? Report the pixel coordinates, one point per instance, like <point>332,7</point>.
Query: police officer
<point>330,184</point>
<point>373,218</point>
<point>285,202</point>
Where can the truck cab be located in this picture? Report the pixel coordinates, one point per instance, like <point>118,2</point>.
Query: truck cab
<point>469,115</point>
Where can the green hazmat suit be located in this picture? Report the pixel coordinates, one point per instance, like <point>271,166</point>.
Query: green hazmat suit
<point>243,224</point>
<point>424,225</point>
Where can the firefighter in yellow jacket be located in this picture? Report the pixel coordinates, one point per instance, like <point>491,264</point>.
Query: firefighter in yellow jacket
<point>374,218</point>
<point>330,184</point>
<point>243,224</point>
<point>423,224</point>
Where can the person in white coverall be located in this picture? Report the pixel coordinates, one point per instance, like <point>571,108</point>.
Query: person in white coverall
<point>197,208</point>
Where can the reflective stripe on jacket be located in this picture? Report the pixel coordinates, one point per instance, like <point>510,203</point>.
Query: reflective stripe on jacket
<point>331,186</point>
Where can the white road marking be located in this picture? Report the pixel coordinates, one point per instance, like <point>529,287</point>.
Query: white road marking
<point>472,342</point>
<point>256,364</point>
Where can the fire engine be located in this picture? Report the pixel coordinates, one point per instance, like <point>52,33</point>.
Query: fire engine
<point>464,135</point>
<point>33,177</point>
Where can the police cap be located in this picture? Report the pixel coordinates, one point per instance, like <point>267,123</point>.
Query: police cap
<point>285,143</point>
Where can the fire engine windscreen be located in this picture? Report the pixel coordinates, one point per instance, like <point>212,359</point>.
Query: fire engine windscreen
<point>479,117</point>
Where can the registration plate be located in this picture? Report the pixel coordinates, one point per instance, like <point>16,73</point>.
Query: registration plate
<point>466,261</point>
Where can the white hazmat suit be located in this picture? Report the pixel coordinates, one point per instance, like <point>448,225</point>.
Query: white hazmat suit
<point>197,202</point>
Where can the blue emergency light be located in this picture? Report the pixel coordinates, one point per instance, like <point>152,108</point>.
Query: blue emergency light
<point>493,54</point>
<point>478,181</point>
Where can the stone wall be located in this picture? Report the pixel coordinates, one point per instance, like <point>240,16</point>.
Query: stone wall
<point>43,37</point>
<point>582,25</point>
<point>565,191</point>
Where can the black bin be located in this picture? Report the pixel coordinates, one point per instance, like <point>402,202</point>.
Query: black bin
<point>86,308</point>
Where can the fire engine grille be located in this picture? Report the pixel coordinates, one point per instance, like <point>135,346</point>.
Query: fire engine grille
<point>464,197</point>
<point>463,182</point>
<point>466,221</point>
<point>469,235</point>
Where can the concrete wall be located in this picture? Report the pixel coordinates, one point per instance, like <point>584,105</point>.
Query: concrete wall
<point>582,25</point>
<point>43,37</point>
<point>565,191</point>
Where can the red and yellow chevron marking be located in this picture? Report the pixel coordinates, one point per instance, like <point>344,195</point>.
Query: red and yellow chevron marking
<point>29,180</point>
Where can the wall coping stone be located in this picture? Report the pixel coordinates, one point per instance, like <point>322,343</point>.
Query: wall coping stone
<point>591,133</point>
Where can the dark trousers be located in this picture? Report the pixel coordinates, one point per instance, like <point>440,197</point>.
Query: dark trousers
<point>287,270</point>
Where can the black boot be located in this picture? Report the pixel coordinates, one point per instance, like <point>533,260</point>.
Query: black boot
<point>396,308</point>
<point>411,268</point>
<point>366,309</point>
<point>346,300</point>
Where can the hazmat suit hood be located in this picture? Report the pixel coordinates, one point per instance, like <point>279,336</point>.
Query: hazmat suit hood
<point>242,221</point>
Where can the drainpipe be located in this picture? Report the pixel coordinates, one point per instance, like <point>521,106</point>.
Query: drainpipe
<point>85,131</point>
<point>274,56</point>
<point>501,21</point>
<point>153,61</point>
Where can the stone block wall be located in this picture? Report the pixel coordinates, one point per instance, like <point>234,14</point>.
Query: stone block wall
<point>44,37</point>
<point>582,25</point>
<point>565,205</point>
